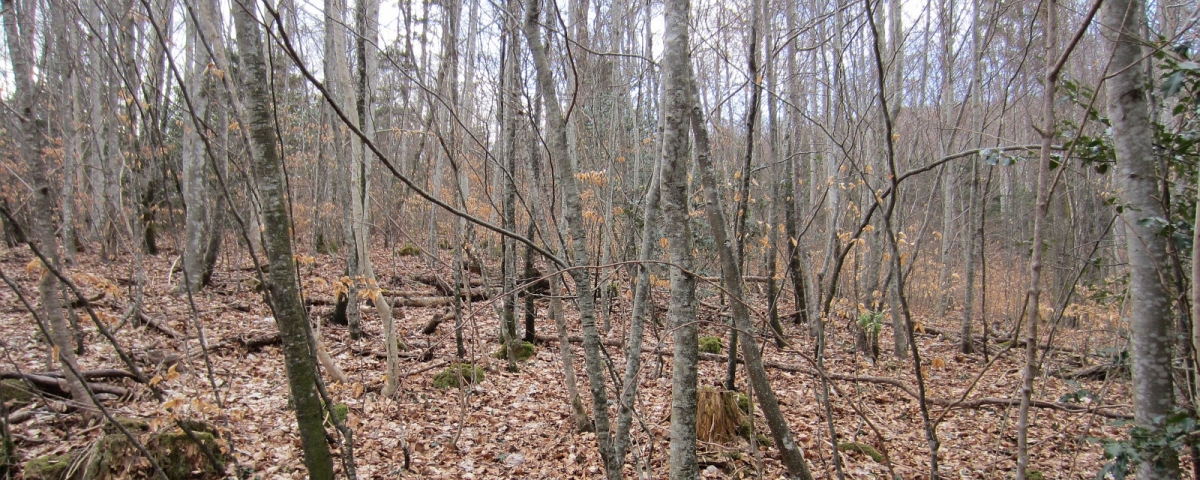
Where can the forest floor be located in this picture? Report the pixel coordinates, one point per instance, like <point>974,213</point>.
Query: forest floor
<point>516,425</point>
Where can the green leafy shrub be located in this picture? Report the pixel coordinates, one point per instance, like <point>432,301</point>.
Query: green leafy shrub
<point>450,376</point>
<point>710,344</point>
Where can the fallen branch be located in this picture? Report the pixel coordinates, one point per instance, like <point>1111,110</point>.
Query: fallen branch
<point>427,368</point>
<point>160,326</point>
<point>80,302</point>
<point>1012,402</point>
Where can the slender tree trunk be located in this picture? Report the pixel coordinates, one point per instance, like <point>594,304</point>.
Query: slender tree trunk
<point>641,307</point>
<point>1150,303</point>
<point>507,108</point>
<point>1032,313</point>
<point>743,193</point>
<point>195,161</point>
<point>681,311</point>
<point>966,343</point>
<point>573,215</point>
<point>18,18</point>
<point>285,295</point>
<point>793,457</point>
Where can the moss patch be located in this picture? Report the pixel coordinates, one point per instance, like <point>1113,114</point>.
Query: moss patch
<point>710,344</point>
<point>450,376</point>
<point>15,390</point>
<point>49,467</point>
<point>409,250</point>
<point>341,412</point>
<point>181,458</point>
<point>743,403</point>
<point>862,448</point>
<point>525,351</point>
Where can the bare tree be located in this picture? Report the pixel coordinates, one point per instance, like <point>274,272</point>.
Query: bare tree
<point>681,312</point>
<point>27,120</point>
<point>284,286</point>
<point>556,143</point>
<point>1150,302</point>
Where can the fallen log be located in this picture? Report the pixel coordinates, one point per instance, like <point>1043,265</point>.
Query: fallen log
<point>441,284</point>
<point>105,374</point>
<point>254,343</point>
<point>477,294</point>
<point>747,279</point>
<point>57,386</point>
<point>422,301</point>
<point>422,356</point>
<point>160,326</point>
<point>432,324</point>
<point>406,299</point>
<point>1094,372</point>
<point>1101,410</point>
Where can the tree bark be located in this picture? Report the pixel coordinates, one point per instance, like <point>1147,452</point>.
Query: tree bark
<point>573,216</point>
<point>195,161</point>
<point>1032,311</point>
<point>284,293</point>
<point>681,311</point>
<point>19,37</point>
<point>793,457</point>
<point>1150,303</point>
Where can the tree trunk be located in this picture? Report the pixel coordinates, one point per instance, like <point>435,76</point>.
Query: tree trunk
<point>195,160</point>
<point>793,457</point>
<point>285,295</point>
<point>19,37</point>
<point>1149,309</point>
<point>743,194</point>
<point>573,215</point>
<point>681,311</point>
<point>967,342</point>
<point>1032,312</point>
<point>641,307</point>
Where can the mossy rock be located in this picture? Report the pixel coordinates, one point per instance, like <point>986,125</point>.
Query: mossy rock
<point>48,467</point>
<point>409,250</point>
<point>710,344</point>
<point>1035,475</point>
<point>113,456</point>
<point>182,458</point>
<point>525,351</point>
<point>15,390</point>
<point>862,448</point>
<point>449,377</point>
<point>137,425</point>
